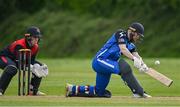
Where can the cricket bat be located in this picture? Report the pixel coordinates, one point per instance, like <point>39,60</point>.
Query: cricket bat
<point>160,77</point>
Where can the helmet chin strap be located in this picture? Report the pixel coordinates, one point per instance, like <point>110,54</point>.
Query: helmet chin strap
<point>131,37</point>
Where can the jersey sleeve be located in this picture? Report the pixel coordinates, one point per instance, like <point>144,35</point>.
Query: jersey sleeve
<point>131,47</point>
<point>120,37</point>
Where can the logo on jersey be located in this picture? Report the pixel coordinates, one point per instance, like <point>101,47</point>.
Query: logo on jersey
<point>121,34</point>
<point>38,30</point>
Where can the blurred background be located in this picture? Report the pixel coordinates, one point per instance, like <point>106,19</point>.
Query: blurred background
<point>79,28</point>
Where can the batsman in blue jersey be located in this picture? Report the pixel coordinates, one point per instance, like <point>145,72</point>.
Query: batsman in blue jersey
<point>108,61</point>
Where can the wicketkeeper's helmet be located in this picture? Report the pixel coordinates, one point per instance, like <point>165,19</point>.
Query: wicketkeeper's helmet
<point>32,32</point>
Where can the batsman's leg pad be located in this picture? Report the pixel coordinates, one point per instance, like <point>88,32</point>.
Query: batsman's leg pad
<point>107,94</point>
<point>83,91</point>
<point>6,77</point>
<point>124,67</point>
<point>129,78</point>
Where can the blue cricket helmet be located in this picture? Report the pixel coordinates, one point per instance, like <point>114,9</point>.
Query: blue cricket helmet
<point>137,27</point>
<point>34,31</point>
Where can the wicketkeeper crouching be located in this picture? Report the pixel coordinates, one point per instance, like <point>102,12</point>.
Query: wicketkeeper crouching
<point>9,61</point>
<point>38,72</point>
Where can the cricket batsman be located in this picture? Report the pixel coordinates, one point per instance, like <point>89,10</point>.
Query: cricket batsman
<point>9,61</point>
<point>108,60</point>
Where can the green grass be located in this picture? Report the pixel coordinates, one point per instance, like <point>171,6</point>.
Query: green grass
<point>79,71</point>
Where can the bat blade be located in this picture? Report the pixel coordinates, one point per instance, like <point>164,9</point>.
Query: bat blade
<point>160,77</point>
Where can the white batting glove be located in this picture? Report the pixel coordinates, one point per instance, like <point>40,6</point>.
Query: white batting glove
<point>142,62</point>
<point>143,68</point>
<point>137,62</point>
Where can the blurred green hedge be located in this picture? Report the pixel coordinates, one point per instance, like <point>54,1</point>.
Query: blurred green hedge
<point>78,28</point>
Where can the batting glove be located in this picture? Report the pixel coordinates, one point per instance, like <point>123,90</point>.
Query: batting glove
<point>137,62</point>
<point>143,68</point>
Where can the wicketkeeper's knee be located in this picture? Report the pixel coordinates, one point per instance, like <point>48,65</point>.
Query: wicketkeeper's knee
<point>11,70</point>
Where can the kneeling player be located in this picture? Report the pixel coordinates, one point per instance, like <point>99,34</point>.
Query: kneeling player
<point>108,61</point>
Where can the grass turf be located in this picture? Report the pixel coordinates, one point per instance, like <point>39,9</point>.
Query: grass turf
<point>79,71</point>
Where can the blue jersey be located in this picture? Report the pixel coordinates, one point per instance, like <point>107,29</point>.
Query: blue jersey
<point>111,49</point>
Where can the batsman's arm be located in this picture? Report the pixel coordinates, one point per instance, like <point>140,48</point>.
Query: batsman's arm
<point>136,54</point>
<point>125,51</point>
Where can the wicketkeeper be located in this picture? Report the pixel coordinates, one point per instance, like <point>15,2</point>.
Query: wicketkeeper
<point>108,60</point>
<point>9,61</point>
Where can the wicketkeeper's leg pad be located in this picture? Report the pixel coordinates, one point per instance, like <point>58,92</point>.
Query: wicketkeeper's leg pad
<point>35,83</point>
<point>7,75</point>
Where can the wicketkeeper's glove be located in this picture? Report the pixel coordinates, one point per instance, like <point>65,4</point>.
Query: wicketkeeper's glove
<point>40,71</point>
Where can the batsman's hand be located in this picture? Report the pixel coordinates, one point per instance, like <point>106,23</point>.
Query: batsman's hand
<point>137,62</point>
<point>143,68</point>
<point>142,62</point>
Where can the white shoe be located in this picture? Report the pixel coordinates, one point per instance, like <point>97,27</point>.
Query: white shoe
<point>1,94</point>
<point>39,93</point>
<point>68,90</point>
<point>145,95</point>
<point>137,96</point>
